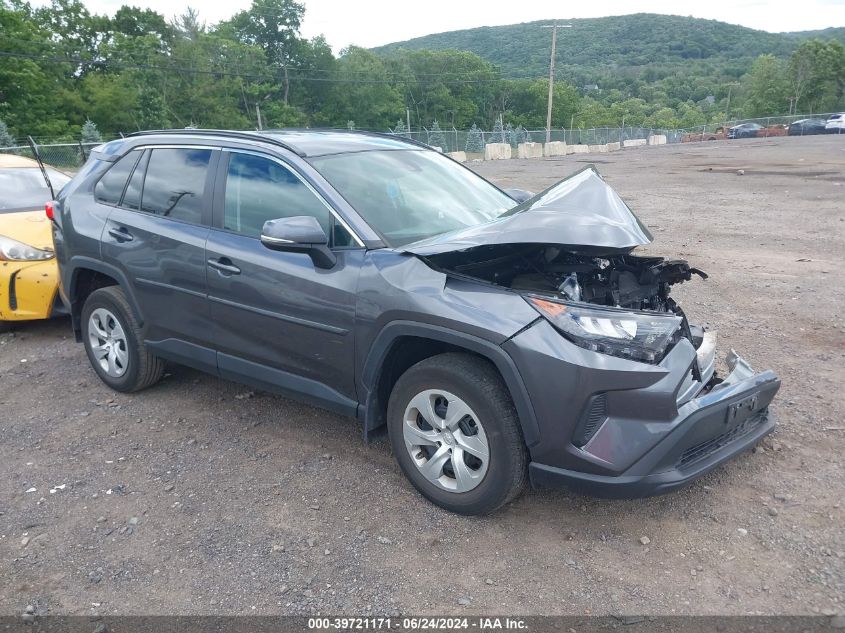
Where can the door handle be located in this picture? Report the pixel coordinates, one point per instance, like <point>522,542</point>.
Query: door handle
<point>121,234</point>
<point>224,266</point>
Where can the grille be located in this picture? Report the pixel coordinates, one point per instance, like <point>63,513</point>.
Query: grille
<point>705,449</point>
<point>596,414</point>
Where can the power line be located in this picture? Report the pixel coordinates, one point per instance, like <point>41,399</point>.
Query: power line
<point>267,77</point>
<point>125,54</point>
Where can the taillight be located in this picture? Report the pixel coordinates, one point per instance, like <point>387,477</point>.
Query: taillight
<point>48,209</point>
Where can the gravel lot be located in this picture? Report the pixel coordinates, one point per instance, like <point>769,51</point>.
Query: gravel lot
<point>199,496</point>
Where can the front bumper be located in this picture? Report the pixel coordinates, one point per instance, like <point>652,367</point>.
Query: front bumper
<point>711,434</point>
<point>615,428</point>
<point>29,290</point>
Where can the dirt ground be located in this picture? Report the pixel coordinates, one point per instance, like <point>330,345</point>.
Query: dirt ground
<point>199,497</point>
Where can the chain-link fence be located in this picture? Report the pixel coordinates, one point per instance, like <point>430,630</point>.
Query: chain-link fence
<point>451,140</point>
<point>67,157</point>
<point>454,140</point>
<point>70,156</point>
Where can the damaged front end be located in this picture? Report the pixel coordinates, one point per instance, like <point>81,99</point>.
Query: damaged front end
<point>617,304</point>
<point>568,252</point>
<point>623,383</point>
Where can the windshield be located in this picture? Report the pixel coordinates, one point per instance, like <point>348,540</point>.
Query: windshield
<point>409,195</point>
<point>23,188</point>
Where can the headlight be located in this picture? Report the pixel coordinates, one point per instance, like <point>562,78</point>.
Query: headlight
<point>639,336</point>
<point>18,251</point>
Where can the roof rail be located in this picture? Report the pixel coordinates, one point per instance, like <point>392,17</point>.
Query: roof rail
<point>252,136</point>
<point>410,141</point>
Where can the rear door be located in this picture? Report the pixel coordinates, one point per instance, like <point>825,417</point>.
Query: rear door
<point>279,321</point>
<point>156,235</point>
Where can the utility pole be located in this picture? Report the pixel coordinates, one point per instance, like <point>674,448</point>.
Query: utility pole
<point>728,105</point>
<point>258,116</point>
<point>408,118</point>
<point>554,28</point>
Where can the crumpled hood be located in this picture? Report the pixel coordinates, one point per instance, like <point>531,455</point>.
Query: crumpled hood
<point>581,212</point>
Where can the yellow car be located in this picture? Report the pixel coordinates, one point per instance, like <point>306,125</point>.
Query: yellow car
<point>29,278</point>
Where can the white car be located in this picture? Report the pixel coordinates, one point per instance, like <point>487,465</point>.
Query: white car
<point>835,123</point>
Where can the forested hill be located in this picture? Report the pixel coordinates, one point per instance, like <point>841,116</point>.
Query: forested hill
<point>522,50</point>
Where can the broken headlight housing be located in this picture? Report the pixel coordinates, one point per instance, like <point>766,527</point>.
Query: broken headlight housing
<point>12,250</point>
<point>639,336</point>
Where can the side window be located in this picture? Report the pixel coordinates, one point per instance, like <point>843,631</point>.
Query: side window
<point>132,197</point>
<point>259,189</point>
<point>175,183</point>
<point>110,187</point>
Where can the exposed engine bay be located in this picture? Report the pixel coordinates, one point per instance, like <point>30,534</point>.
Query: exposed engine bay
<point>617,280</point>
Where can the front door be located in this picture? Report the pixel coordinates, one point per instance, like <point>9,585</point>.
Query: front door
<point>279,321</point>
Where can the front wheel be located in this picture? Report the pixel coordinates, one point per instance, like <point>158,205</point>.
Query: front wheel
<point>456,435</point>
<point>114,342</point>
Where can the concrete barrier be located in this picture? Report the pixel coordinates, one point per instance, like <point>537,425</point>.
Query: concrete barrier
<point>657,139</point>
<point>497,151</point>
<point>597,149</point>
<point>556,148</point>
<point>461,157</point>
<point>580,149</point>
<point>529,150</point>
<point>634,142</point>
<point>614,147</point>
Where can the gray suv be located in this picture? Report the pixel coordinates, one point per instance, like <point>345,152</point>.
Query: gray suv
<point>496,335</point>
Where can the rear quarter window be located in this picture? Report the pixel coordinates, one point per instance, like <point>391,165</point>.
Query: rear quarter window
<point>110,188</point>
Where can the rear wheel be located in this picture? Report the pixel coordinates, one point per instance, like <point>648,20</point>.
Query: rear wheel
<point>455,433</point>
<point>114,342</point>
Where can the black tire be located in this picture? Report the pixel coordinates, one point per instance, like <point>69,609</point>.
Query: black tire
<point>143,369</point>
<point>6,326</point>
<point>479,385</point>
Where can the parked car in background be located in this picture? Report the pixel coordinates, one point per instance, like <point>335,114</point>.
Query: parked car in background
<point>835,123</point>
<point>805,127</point>
<point>28,275</point>
<point>744,130</point>
<point>365,273</point>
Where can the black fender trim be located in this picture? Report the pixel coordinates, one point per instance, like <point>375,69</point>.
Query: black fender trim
<point>383,343</point>
<point>81,262</point>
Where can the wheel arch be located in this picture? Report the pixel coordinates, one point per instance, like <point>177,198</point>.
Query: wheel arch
<point>85,275</point>
<point>402,344</point>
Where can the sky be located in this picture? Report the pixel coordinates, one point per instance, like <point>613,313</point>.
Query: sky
<point>371,23</point>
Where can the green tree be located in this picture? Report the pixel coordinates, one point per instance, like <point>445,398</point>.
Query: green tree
<point>498,134</point>
<point>27,85</point>
<point>817,75</point>
<point>6,139</point>
<point>475,140</point>
<point>90,133</point>
<point>188,25</point>
<point>136,22</point>
<point>436,137</point>
<point>273,26</point>
<point>767,86</point>
<point>361,94</point>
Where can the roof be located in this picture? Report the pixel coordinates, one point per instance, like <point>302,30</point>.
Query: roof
<point>310,142</point>
<point>8,161</point>
<point>322,142</point>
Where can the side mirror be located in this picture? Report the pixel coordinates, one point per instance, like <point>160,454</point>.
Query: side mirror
<point>520,195</point>
<point>299,234</point>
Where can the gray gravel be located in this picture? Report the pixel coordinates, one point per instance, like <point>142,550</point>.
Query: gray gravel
<point>199,497</point>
